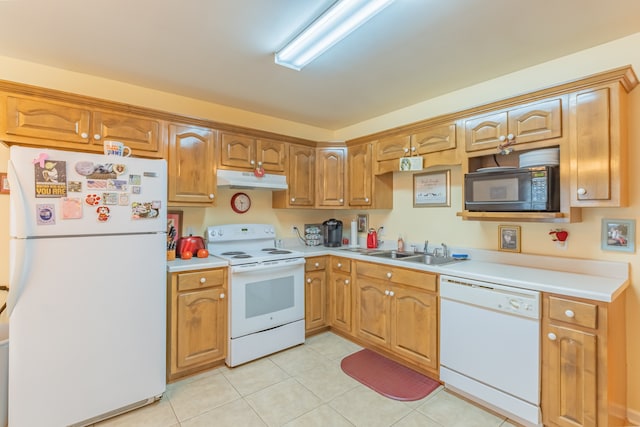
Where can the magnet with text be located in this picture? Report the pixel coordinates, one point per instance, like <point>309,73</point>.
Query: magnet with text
<point>46,214</point>
<point>51,179</point>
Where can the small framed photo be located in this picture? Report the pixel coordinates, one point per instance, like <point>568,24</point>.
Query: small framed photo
<point>174,220</point>
<point>509,238</point>
<point>4,183</point>
<point>432,189</point>
<point>619,235</point>
<point>363,223</point>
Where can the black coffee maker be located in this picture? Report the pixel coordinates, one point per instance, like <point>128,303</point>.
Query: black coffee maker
<point>332,232</point>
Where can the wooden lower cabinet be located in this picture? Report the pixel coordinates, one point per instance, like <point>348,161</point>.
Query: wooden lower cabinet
<point>315,295</point>
<point>396,309</point>
<point>341,294</point>
<point>583,362</point>
<point>196,321</point>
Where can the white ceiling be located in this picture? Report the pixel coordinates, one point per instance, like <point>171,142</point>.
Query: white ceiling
<point>222,50</point>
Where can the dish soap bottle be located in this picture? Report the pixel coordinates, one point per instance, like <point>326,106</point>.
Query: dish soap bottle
<point>400,244</point>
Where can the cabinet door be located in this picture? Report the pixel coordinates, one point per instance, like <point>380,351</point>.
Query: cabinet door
<point>201,329</point>
<point>569,377</point>
<point>484,132</point>
<point>42,120</point>
<point>360,175</point>
<point>340,291</point>
<point>536,122</point>
<point>373,310</point>
<point>598,148</point>
<point>301,176</point>
<point>393,147</point>
<point>237,151</point>
<point>192,176</point>
<point>434,139</point>
<point>315,294</point>
<point>141,134</point>
<point>272,155</point>
<point>414,325</point>
<point>330,176</point>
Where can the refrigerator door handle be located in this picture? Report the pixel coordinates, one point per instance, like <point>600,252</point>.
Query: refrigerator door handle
<point>20,272</point>
<point>19,214</point>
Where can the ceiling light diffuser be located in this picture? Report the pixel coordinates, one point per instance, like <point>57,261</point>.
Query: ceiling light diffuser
<point>336,23</point>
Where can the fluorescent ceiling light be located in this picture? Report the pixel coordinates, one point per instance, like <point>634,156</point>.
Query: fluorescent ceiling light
<point>335,24</point>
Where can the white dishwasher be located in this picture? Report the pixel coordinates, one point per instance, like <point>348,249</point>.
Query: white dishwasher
<point>490,346</point>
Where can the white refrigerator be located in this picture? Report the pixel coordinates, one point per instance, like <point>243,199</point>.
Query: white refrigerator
<point>87,299</point>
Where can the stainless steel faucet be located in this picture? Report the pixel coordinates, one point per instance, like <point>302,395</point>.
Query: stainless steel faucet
<point>426,247</point>
<point>445,250</point>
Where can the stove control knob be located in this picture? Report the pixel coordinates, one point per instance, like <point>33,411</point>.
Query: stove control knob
<point>212,233</point>
<point>220,233</point>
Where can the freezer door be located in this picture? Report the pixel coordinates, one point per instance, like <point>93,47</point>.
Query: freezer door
<point>63,193</point>
<point>88,331</point>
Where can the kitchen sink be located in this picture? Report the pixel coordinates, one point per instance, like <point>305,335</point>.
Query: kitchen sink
<point>365,251</point>
<point>393,254</point>
<point>430,259</point>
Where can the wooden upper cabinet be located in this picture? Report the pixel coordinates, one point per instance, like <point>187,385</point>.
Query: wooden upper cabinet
<point>330,173</point>
<point>536,121</point>
<point>598,146</point>
<point>300,179</point>
<point>360,175</point>
<point>34,121</point>
<point>434,138</point>
<point>192,175</point>
<point>393,147</point>
<point>247,153</point>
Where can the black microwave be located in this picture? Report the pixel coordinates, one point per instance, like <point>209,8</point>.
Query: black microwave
<point>504,189</point>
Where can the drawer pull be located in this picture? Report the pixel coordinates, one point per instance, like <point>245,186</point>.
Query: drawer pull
<point>552,336</point>
<point>316,265</point>
<point>203,280</point>
<point>339,265</point>
<point>570,313</point>
<point>389,274</point>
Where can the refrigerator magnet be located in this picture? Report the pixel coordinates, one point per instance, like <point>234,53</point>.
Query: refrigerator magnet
<point>123,199</point>
<point>135,180</point>
<point>71,208</point>
<point>74,186</point>
<point>97,184</point>
<point>136,189</point>
<point>103,213</point>
<point>117,185</point>
<point>110,198</point>
<point>51,180</point>
<point>92,199</point>
<point>46,214</point>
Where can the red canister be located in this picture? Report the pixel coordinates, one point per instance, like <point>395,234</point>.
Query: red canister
<point>372,238</point>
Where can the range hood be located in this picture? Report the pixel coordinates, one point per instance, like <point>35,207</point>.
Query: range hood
<point>238,179</point>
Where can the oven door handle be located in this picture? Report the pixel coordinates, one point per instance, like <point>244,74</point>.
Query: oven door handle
<point>281,264</point>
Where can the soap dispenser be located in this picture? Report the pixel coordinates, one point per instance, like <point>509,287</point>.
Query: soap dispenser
<point>400,244</point>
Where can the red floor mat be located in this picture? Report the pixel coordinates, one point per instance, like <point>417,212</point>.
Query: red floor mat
<point>387,377</point>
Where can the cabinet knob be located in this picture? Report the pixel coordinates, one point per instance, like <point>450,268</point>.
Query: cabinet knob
<point>386,292</point>
<point>222,296</point>
<point>346,281</point>
<point>212,196</point>
<point>510,137</point>
<point>366,199</point>
<point>309,280</point>
<point>339,265</point>
<point>582,191</point>
<point>413,149</point>
<point>391,293</point>
<point>341,200</point>
<point>406,150</point>
<point>570,313</point>
<point>253,162</point>
<point>293,199</point>
<point>552,336</point>
<point>316,265</point>
<point>203,280</point>
<point>84,135</point>
<point>389,274</point>
<point>97,137</point>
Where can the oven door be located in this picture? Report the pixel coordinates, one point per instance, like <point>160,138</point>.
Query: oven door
<point>498,191</point>
<point>266,295</point>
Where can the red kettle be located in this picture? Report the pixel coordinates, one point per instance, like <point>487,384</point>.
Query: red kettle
<point>372,238</point>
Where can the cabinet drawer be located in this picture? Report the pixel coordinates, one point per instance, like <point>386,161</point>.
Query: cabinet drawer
<point>418,279</point>
<point>341,264</point>
<point>314,264</point>
<point>200,279</point>
<point>574,312</point>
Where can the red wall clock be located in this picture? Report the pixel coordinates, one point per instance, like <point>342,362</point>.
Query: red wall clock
<point>240,202</point>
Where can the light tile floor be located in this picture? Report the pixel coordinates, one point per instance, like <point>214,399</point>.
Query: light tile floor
<point>300,387</point>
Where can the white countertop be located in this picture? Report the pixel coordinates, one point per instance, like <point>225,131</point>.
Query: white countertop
<point>591,279</point>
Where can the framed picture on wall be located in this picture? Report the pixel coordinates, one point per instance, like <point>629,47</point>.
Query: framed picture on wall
<point>174,219</point>
<point>363,221</point>
<point>4,183</point>
<point>509,238</point>
<point>432,189</point>
<point>619,235</point>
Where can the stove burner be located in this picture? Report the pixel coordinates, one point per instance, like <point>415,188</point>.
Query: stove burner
<point>279,252</point>
<point>268,249</point>
<point>232,253</point>
<point>241,255</point>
